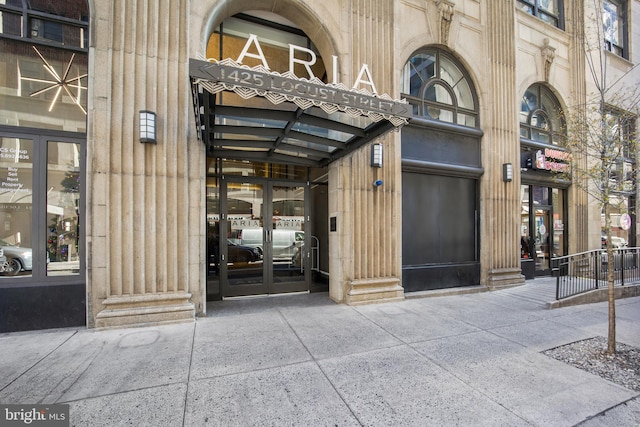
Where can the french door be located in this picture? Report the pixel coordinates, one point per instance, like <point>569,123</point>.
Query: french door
<point>265,229</point>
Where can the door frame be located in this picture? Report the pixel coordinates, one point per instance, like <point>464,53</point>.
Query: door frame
<point>268,286</point>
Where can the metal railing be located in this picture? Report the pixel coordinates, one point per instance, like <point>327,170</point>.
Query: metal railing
<point>586,271</point>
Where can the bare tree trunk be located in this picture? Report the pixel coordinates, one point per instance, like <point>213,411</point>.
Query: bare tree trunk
<point>611,264</point>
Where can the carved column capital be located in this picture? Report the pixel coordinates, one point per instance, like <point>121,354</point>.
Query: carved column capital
<point>548,54</point>
<point>446,9</point>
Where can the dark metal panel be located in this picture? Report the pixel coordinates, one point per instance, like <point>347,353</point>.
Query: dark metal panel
<point>424,278</point>
<point>421,166</point>
<point>24,308</point>
<point>440,146</point>
<point>446,127</point>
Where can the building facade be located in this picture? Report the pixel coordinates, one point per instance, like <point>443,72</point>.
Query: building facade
<point>157,155</point>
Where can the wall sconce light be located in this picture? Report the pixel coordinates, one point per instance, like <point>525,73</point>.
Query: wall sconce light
<point>148,126</point>
<point>376,156</point>
<point>507,172</point>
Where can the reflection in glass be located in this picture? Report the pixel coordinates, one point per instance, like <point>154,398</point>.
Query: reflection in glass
<point>438,88</point>
<point>245,238</point>
<point>541,236</point>
<point>288,234</point>
<point>43,87</point>
<point>559,247</point>
<point>525,234</point>
<point>16,206</point>
<point>63,201</point>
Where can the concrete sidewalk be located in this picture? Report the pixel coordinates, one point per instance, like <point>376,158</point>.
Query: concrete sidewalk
<point>467,360</point>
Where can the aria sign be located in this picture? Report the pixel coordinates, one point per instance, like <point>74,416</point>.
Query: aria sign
<point>247,82</point>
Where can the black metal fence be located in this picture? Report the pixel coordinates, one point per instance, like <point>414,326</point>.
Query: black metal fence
<point>586,271</point>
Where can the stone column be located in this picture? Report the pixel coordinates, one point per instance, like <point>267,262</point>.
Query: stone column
<point>365,250</point>
<point>578,199</point>
<point>501,200</point>
<point>144,231</point>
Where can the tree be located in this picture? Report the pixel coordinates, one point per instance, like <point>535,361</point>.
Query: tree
<point>602,138</point>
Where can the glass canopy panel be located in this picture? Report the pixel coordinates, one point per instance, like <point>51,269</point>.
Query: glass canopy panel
<point>249,122</point>
<point>340,117</point>
<point>236,148</point>
<point>241,137</point>
<point>311,145</point>
<point>322,132</point>
<point>291,153</point>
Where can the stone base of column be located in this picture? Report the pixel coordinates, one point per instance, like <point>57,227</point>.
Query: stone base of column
<point>370,291</point>
<point>143,310</point>
<point>501,278</point>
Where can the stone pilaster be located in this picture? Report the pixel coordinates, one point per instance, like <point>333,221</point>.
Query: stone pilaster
<point>141,208</point>
<point>365,250</point>
<point>501,245</point>
<point>578,199</point>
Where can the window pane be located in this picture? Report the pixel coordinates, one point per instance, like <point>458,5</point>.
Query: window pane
<point>42,87</point>
<point>16,205</point>
<point>449,72</point>
<point>466,120</point>
<point>540,195</point>
<point>559,248</point>
<point>10,23</point>
<point>549,6</point>
<point>417,71</point>
<point>63,201</point>
<point>611,22</point>
<point>437,93</point>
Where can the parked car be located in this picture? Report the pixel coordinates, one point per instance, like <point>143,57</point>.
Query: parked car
<point>618,242</point>
<point>242,253</point>
<point>3,261</point>
<point>283,241</point>
<point>18,259</point>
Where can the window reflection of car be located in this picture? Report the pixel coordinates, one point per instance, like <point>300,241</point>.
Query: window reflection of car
<point>616,242</point>
<point>18,259</point>
<point>3,261</point>
<point>240,253</point>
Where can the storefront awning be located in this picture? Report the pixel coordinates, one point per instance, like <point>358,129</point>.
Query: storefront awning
<point>281,118</point>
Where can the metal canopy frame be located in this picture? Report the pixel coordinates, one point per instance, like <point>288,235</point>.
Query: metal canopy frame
<point>316,124</point>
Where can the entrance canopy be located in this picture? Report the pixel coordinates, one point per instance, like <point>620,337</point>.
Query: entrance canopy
<point>255,114</point>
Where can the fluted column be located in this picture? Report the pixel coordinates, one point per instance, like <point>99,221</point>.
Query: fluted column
<point>500,244</point>
<point>365,251</point>
<point>143,233</point>
<point>578,198</point>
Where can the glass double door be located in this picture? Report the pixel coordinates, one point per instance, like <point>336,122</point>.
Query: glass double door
<point>263,249</point>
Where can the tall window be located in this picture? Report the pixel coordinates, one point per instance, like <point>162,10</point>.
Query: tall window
<point>541,117</point>
<point>614,25</point>
<point>43,116</point>
<point>438,88</point>
<point>550,11</point>
<point>621,133</point>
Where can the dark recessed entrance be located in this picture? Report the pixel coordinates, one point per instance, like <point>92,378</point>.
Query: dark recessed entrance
<point>257,120</point>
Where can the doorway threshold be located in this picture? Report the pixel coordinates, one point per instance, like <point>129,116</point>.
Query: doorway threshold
<point>264,296</point>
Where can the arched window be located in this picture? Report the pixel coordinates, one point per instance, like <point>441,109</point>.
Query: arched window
<point>541,118</point>
<point>438,88</point>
